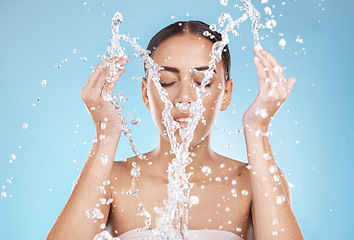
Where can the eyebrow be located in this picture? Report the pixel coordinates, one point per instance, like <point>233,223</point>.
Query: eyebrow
<point>170,69</point>
<point>176,70</point>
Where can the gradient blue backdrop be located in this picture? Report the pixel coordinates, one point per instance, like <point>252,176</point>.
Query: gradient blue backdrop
<point>312,133</point>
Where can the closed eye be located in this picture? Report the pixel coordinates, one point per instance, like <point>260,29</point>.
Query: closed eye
<point>166,84</point>
<point>208,85</point>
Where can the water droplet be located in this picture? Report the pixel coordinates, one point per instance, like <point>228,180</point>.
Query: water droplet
<point>106,182</point>
<point>25,125</point>
<point>244,192</point>
<point>273,169</point>
<point>224,2</point>
<point>3,194</point>
<point>57,66</point>
<point>266,156</point>
<point>299,40</point>
<point>84,59</point>
<point>243,48</point>
<point>265,1</point>
<point>212,27</point>
<point>194,200</point>
<point>282,43</point>
<point>206,33</point>
<point>74,161</point>
<point>123,99</point>
<point>218,179</point>
<point>135,121</point>
<point>102,136</point>
<point>238,229</point>
<point>44,82</point>
<point>275,222</point>
<point>275,233</point>
<point>135,172</point>
<point>271,23</point>
<point>263,112</point>
<point>74,51</point>
<point>206,169</point>
<point>104,158</point>
<point>107,97</point>
<point>103,126</point>
<point>278,69</point>
<point>94,213</point>
<point>268,11</point>
<point>65,60</point>
<point>276,178</point>
<point>280,199</point>
<point>135,79</point>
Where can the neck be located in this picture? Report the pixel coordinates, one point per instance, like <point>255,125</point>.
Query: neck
<point>201,153</point>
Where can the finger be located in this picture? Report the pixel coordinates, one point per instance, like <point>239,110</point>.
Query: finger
<point>109,70</point>
<point>278,69</point>
<point>108,87</point>
<point>101,68</point>
<point>116,64</point>
<point>268,68</point>
<point>263,80</point>
<point>290,83</point>
<point>92,79</point>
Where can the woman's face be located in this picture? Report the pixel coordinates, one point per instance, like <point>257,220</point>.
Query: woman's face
<point>179,55</point>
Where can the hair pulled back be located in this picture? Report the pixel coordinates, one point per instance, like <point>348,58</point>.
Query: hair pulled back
<point>196,27</point>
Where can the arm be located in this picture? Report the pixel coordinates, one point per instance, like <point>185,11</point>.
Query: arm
<point>77,221</point>
<point>271,205</point>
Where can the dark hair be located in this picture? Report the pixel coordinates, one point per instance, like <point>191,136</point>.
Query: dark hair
<point>196,27</point>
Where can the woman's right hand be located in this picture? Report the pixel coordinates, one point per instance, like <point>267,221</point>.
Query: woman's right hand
<point>97,96</point>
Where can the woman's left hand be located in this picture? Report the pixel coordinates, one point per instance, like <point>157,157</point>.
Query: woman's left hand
<point>274,89</point>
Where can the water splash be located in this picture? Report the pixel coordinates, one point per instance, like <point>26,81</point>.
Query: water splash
<point>173,216</point>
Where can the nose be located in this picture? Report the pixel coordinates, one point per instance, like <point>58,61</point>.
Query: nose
<point>186,92</point>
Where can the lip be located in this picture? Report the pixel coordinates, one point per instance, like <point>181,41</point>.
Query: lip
<point>180,115</point>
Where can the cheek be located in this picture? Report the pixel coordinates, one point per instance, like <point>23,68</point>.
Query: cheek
<point>155,102</point>
<point>214,99</point>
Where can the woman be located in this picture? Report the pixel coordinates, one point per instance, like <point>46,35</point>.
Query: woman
<point>234,197</point>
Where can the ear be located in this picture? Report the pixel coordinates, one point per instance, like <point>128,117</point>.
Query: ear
<point>227,95</point>
<point>144,92</point>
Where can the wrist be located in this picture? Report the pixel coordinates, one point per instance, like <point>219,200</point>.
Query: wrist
<point>108,135</point>
<point>255,127</point>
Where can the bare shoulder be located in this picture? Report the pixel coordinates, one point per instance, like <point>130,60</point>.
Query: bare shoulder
<point>120,175</point>
<point>236,167</point>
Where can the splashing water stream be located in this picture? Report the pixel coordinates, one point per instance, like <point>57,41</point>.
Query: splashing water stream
<point>173,216</point>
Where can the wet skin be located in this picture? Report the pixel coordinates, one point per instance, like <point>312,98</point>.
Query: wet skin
<point>221,203</point>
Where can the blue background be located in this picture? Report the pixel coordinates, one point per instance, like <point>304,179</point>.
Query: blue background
<point>312,134</point>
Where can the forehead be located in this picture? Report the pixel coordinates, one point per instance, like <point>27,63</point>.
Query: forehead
<point>183,50</point>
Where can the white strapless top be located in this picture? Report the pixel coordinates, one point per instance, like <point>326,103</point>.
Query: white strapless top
<point>193,235</point>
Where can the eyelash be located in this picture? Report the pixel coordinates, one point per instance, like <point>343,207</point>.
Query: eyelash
<point>170,84</point>
<point>208,85</point>
<point>166,84</point>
